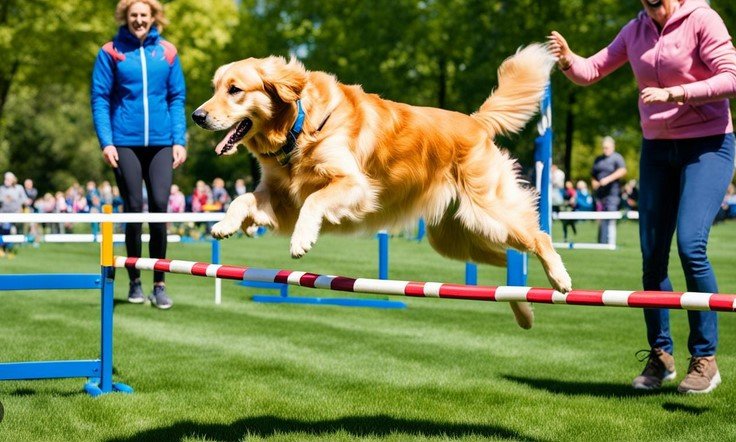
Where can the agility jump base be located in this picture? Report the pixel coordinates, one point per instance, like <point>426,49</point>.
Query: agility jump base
<point>613,298</point>
<point>97,371</point>
<point>284,297</point>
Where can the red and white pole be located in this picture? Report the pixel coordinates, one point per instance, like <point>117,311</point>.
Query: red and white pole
<point>613,298</point>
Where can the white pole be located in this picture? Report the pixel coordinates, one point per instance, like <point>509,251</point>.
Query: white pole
<point>218,291</point>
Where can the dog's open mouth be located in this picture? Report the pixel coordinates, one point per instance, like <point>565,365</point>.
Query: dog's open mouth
<point>233,137</point>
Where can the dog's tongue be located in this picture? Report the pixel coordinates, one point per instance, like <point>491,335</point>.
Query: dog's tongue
<point>229,144</point>
<point>220,148</point>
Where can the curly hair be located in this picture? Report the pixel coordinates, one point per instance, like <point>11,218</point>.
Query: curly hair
<point>157,12</point>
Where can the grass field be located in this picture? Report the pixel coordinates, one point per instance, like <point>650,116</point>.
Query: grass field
<point>439,370</point>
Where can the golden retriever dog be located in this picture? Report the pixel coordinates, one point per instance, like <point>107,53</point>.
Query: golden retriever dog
<point>363,163</point>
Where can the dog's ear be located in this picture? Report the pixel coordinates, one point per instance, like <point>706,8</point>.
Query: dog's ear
<point>284,80</point>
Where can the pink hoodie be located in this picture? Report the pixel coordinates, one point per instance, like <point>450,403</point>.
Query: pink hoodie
<point>694,51</point>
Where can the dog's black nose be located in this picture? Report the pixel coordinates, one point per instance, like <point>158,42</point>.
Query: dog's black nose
<point>199,116</point>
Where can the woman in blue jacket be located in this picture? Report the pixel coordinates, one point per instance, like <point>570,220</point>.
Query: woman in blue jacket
<point>138,96</point>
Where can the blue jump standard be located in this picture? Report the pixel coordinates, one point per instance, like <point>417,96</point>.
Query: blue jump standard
<point>98,371</point>
<point>284,298</point>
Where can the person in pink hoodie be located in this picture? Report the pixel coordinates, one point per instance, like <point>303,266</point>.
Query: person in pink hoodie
<point>685,66</point>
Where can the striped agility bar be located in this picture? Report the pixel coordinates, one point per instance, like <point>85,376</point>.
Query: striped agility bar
<point>614,298</point>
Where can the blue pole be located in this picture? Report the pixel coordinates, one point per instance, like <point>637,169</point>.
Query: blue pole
<point>215,251</point>
<point>516,268</point>
<point>543,161</point>
<point>471,273</point>
<point>421,229</point>
<point>382,254</point>
<point>106,329</point>
<point>517,263</point>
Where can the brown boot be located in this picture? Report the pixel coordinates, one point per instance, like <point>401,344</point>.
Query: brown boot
<point>702,376</point>
<point>660,367</point>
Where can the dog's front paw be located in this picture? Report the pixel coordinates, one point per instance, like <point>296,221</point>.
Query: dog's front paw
<point>560,280</point>
<point>224,229</point>
<point>299,247</point>
<point>302,242</point>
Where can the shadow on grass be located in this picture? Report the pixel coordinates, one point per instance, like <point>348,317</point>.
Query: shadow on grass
<point>20,392</point>
<point>681,408</point>
<point>598,389</point>
<point>360,426</point>
<point>23,392</point>
<point>122,302</point>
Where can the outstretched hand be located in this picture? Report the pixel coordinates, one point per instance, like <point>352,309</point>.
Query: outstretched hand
<point>560,49</point>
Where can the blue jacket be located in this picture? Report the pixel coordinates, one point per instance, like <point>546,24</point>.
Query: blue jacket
<point>138,92</point>
<point>584,201</point>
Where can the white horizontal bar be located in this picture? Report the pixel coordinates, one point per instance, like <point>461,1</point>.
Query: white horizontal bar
<point>583,245</point>
<point>113,217</point>
<point>595,215</point>
<point>10,239</point>
<point>77,238</point>
<point>587,215</point>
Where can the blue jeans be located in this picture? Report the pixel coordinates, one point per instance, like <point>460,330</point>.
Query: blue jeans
<point>682,184</point>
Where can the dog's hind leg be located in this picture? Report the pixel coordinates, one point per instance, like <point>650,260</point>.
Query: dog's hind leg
<point>452,239</point>
<point>540,243</point>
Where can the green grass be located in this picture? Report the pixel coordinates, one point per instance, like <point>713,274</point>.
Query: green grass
<point>439,370</point>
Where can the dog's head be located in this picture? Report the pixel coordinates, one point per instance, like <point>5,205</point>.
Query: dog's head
<point>248,96</point>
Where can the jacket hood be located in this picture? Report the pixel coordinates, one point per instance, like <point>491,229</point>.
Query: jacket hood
<point>686,8</point>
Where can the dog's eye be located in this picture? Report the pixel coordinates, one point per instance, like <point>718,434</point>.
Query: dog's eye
<point>234,90</point>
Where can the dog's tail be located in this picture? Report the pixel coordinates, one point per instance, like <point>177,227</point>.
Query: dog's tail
<point>522,79</point>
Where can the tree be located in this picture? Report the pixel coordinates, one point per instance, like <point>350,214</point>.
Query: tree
<point>202,33</point>
<point>441,53</point>
<point>44,58</point>
<point>38,44</point>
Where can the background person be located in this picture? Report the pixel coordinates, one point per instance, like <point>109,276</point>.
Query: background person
<point>570,202</point>
<point>608,169</point>
<point>31,196</point>
<point>583,199</point>
<point>201,196</point>
<point>685,65</point>
<point>630,195</point>
<point>31,192</point>
<point>177,201</point>
<point>557,178</point>
<point>12,198</point>
<point>728,206</point>
<point>240,187</point>
<point>138,96</point>
<point>220,196</point>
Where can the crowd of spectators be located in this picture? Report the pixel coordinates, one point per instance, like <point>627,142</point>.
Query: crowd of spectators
<point>569,195</point>
<point>216,196</point>
<point>16,198</point>
<point>90,198</point>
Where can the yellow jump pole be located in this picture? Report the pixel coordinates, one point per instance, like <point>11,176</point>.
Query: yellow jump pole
<point>106,248</point>
<point>105,384</point>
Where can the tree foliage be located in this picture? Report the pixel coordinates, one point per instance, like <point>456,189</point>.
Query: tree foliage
<point>427,52</point>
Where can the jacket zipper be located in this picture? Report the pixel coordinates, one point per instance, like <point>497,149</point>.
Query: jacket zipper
<point>144,73</point>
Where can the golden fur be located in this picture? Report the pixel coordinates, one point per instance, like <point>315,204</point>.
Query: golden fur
<point>378,164</point>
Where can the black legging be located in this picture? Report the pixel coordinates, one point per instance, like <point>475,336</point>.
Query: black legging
<point>154,166</point>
